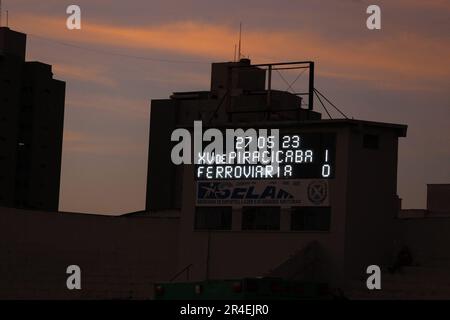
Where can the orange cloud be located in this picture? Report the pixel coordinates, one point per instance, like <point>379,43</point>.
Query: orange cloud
<point>125,107</point>
<point>80,142</point>
<point>399,60</point>
<point>92,74</point>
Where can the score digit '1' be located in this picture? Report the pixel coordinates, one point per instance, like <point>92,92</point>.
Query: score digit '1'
<point>326,169</point>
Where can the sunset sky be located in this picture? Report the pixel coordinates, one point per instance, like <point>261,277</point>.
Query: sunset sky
<point>129,52</point>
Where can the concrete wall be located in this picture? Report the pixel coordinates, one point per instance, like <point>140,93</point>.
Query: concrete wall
<point>119,257</point>
<point>10,85</point>
<point>364,205</point>
<point>41,123</point>
<point>427,238</point>
<point>234,254</point>
<point>161,174</point>
<point>238,254</point>
<point>31,130</point>
<point>372,203</point>
<point>12,42</point>
<point>438,198</point>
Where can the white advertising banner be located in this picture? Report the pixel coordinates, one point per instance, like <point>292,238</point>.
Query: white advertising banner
<point>284,193</point>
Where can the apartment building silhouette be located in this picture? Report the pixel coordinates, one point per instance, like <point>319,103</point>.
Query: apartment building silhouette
<point>31,127</point>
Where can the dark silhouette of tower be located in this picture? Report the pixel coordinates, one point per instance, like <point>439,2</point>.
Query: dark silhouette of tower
<point>31,128</point>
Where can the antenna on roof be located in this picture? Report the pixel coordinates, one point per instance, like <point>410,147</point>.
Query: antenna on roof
<point>7,18</point>
<point>234,52</point>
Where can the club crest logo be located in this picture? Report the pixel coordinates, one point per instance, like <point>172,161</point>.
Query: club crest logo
<point>317,191</point>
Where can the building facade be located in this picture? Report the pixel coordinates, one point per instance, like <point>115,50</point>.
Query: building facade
<point>352,229</point>
<point>31,128</point>
<point>326,225</point>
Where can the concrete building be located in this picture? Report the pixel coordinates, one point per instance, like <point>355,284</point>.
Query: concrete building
<point>119,257</point>
<point>353,230</point>
<point>31,128</point>
<point>324,226</point>
<point>437,203</point>
<point>425,232</point>
<point>238,94</point>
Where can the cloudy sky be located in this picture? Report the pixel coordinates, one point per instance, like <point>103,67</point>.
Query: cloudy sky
<point>129,52</point>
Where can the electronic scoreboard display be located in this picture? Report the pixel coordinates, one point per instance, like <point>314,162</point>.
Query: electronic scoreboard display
<point>295,156</point>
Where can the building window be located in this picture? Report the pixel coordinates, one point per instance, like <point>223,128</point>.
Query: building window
<point>310,218</point>
<point>213,218</point>
<point>261,218</point>
<point>370,141</point>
